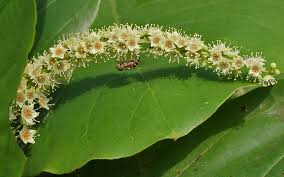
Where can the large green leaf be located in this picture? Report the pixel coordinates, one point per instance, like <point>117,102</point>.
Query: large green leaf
<point>112,115</point>
<point>17,19</point>
<point>56,18</point>
<point>104,114</point>
<point>244,138</point>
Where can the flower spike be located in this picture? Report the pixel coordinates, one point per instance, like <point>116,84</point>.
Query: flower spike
<point>125,43</point>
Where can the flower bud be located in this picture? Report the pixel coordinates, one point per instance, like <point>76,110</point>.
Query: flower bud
<point>273,65</point>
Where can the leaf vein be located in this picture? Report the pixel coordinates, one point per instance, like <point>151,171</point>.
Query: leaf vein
<point>133,114</point>
<point>157,101</point>
<point>273,165</point>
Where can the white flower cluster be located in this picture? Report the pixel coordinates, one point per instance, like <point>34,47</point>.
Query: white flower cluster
<point>46,72</point>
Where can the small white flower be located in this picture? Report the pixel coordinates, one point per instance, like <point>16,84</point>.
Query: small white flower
<point>50,63</point>
<point>255,70</point>
<point>132,43</point>
<point>33,70</point>
<point>30,95</point>
<point>254,60</point>
<point>123,35</point>
<point>12,116</point>
<point>215,58</point>
<point>42,80</point>
<point>173,36</point>
<point>81,50</point>
<point>97,47</point>
<point>20,98</point>
<point>89,45</point>
<point>70,43</point>
<point>43,102</point>
<point>182,41</point>
<point>156,38</point>
<point>168,45</point>
<point>112,37</point>
<point>255,64</point>
<point>192,58</point>
<point>42,60</point>
<point>153,30</point>
<point>58,51</point>
<point>195,43</point>
<point>61,67</point>
<point>238,62</point>
<point>27,135</point>
<point>29,114</point>
<point>223,67</point>
<point>94,36</point>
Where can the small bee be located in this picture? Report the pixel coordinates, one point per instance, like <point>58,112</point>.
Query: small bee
<point>127,65</point>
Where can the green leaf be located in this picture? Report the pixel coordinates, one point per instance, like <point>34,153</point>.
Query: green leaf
<point>245,137</point>
<point>104,114</point>
<point>17,19</point>
<point>56,18</point>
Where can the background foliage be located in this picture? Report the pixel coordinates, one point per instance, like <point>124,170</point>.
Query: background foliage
<point>15,15</point>
<point>105,114</point>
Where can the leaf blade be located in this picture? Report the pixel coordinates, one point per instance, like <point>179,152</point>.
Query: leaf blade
<point>15,15</point>
<point>233,142</point>
<point>143,12</point>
